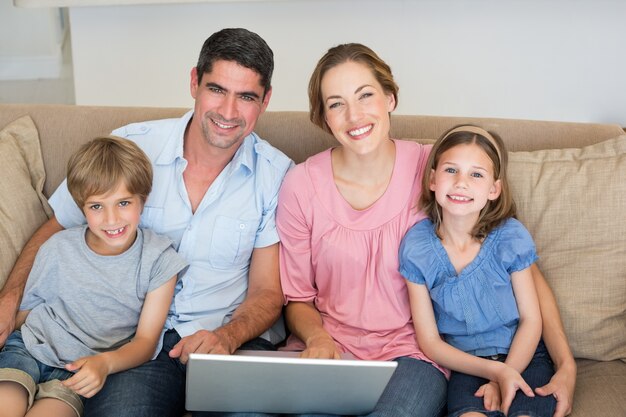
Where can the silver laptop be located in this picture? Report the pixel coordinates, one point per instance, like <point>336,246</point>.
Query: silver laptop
<point>281,382</point>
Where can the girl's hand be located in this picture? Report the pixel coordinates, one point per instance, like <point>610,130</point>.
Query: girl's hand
<point>90,374</point>
<point>490,392</point>
<point>510,381</point>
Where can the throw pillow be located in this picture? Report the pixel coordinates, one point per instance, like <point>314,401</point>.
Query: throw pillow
<point>573,201</point>
<point>23,207</point>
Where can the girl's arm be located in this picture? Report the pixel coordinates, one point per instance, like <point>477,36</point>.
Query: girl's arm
<point>450,357</point>
<point>305,322</point>
<point>92,371</point>
<point>528,331</point>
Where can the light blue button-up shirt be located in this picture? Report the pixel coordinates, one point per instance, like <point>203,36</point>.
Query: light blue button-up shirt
<point>236,215</point>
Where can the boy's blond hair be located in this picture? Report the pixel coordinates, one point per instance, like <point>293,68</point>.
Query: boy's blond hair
<point>100,165</point>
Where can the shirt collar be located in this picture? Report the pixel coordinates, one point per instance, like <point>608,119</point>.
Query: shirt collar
<point>244,157</point>
<point>173,148</point>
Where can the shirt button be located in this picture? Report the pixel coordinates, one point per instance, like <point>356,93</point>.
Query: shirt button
<point>242,226</point>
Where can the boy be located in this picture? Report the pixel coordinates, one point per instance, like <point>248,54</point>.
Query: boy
<point>97,296</point>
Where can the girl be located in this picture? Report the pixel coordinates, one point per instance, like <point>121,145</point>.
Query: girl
<point>468,274</point>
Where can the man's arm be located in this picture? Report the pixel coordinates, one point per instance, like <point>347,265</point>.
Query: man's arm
<point>11,294</point>
<point>260,309</point>
<point>563,382</point>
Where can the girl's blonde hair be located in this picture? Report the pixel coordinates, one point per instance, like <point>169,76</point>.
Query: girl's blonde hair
<point>495,211</point>
<point>349,52</point>
<point>100,165</point>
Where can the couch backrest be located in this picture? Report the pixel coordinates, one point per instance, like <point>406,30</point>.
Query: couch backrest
<point>63,128</point>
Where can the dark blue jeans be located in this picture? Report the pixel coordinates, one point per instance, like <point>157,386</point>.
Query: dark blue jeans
<point>154,389</point>
<point>462,387</point>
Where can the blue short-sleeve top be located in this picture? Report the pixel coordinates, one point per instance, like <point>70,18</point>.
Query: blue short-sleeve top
<point>475,309</point>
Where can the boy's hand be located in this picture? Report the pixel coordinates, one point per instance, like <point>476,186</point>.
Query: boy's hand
<point>90,374</point>
<point>490,392</point>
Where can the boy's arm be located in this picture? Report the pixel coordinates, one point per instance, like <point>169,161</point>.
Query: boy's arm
<point>11,294</point>
<point>260,309</point>
<point>563,382</point>
<point>92,371</point>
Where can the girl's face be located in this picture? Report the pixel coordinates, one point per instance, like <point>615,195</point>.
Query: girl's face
<point>356,108</point>
<point>463,181</point>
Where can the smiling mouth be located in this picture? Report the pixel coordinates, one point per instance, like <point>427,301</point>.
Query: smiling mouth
<point>114,232</point>
<point>360,131</point>
<point>460,199</point>
<point>222,125</point>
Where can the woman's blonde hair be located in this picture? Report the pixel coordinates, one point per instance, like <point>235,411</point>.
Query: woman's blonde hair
<point>349,52</point>
<point>100,165</point>
<point>495,211</point>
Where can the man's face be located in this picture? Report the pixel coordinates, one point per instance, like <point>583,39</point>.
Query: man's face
<point>228,102</point>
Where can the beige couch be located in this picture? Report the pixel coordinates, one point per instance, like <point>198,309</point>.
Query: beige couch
<point>569,181</point>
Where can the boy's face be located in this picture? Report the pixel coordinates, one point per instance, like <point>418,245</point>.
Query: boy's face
<point>112,220</point>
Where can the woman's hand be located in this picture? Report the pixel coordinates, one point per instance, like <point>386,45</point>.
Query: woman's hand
<point>321,346</point>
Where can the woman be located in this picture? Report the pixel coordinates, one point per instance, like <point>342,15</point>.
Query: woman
<point>341,217</point>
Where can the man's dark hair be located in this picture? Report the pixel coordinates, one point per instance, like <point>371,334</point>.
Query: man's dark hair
<point>241,46</point>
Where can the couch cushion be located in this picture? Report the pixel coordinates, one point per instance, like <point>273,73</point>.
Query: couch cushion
<point>573,201</point>
<point>600,388</point>
<point>23,208</point>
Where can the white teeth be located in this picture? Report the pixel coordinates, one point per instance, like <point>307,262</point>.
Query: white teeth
<point>360,131</point>
<point>459,198</point>
<point>222,125</point>
<point>114,232</point>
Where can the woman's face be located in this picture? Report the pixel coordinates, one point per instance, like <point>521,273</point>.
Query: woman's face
<point>356,108</point>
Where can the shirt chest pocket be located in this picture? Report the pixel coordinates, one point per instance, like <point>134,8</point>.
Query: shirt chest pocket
<point>232,242</point>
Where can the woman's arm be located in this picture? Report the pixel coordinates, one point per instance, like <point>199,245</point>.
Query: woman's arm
<point>563,382</point>
<point>92,371</point>
<point>305,322</point>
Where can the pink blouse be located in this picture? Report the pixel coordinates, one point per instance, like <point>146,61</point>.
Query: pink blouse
<point>345,261</point>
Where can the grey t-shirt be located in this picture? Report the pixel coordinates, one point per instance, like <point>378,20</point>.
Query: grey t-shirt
<point>83,303</point>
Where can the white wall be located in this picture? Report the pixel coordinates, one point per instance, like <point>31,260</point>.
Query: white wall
<point>30,42</point>
<point>556,60</point>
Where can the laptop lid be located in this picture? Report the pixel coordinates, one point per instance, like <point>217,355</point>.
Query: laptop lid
<point>281,382</point>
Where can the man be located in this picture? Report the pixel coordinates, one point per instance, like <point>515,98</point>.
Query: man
<point>215,193</point>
